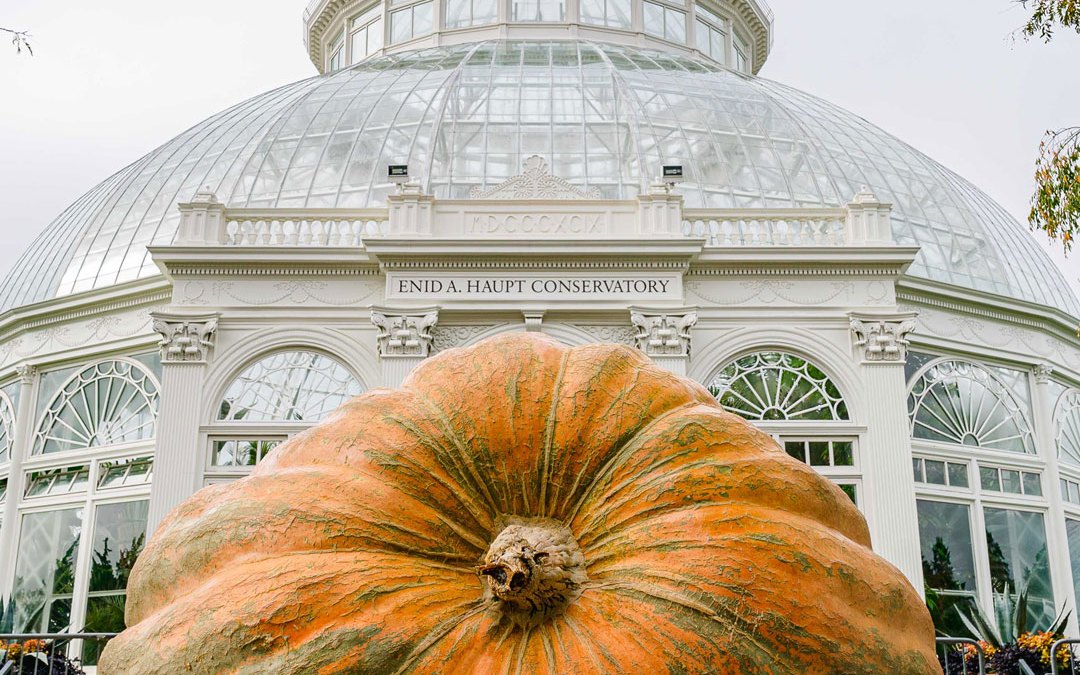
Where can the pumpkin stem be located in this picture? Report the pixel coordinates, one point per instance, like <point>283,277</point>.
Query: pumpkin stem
<point>534,569</point>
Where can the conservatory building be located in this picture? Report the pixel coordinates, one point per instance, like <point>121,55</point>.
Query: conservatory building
<point>595,170</point>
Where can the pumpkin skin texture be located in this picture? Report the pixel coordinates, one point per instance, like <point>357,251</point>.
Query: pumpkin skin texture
<point>654,531</point>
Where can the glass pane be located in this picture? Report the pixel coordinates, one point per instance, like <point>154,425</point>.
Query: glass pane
<point>288,387</point>
<point>401,25</point>
<point>843,455</point>
<point>849,490</point>
<point>1074,492</point>
<point>1010,481</point>
<point>1016,545</point>
<point>119,536</point>
<point>989,479</point>
<point>947,558</point>
<point>1072,530</point>
<point>958,476</point>
<point>796,449</point>
<point>654,19</point>
<point>592,11</point>
<point>45,570</point>
<point>675,26</point>
<point>104,614</point>
<point>916,469</point>
<point>423,20</point>
<point>1032,484</point>
<point>935,472</point>
<point>819,453</point>
<point>618,13</point>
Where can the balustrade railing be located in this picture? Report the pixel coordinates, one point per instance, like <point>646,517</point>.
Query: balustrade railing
<point>243,229</point>
<point>818,227</point>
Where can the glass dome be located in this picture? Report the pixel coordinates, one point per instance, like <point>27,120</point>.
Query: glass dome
<point>605,117</point>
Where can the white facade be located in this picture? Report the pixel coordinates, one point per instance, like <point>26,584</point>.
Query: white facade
<point>947,406</point>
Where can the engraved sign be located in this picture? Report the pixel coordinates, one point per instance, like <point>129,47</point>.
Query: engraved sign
<point>629,287</point>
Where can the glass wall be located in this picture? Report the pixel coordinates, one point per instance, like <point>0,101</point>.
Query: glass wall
<point>1018,559</point>
<point>463,13</point>
<point>414,21</point>
<point>948,562</point>
<point>537,10</point>
<point>365,34</point>
<point>611,13</point>
<point>665,22</point>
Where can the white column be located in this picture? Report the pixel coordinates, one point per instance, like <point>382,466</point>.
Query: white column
<point>178,460</point>
<point>404,340</point>
<point>1057,538</point>
<point>880,343</point>
<point>20,450</point>
<point>664,335</point>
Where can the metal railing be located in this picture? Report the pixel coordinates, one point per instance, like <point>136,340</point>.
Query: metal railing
<point>1071,664</point>
<point>50,653</point>
<point>959,664</point>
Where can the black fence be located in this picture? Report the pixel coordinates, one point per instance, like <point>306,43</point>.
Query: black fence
<point>50,653</point>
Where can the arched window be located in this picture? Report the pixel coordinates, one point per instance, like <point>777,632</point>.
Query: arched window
<point>1068,428</point>
<point>963,403</point>
<point>777,386</point>
<point>297,386</point>
<point>108,403</point>
<point>7,427</point>
<point>270,400</point>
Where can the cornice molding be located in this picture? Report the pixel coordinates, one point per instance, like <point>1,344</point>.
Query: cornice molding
<point>199,271</point>
<point>450,264</point>
<point>90,304</point>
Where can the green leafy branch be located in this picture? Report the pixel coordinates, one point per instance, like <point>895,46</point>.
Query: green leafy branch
<point>1055,206</point>
<point>1048,15</point>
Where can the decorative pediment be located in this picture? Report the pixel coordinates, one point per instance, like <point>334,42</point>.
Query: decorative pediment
<point>535,182</point>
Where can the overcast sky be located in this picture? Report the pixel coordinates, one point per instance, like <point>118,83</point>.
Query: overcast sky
<point>113,79</point>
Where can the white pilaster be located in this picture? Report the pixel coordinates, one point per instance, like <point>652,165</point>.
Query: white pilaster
<point>404,340</point>
<point>20,450</point>
<point>880,345</point>
<point>665,336</point>
<point>869,221</point>
<point>1057,542</point>
<point>186,342</point>
<point>202,221</point>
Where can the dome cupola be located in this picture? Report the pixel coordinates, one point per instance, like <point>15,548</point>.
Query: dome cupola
<point>734,33</point>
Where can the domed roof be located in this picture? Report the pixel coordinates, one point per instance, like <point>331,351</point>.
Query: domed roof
<point>605,117</point>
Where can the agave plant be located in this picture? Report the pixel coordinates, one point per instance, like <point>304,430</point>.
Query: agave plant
<point>1010,644</point>
<point>1010,620</point>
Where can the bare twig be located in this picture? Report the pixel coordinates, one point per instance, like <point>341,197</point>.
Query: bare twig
<point>21,40</point>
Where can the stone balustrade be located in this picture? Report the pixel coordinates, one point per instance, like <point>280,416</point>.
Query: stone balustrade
<point>264,229</point>
<point>808,227</point>
<point>656,215</point>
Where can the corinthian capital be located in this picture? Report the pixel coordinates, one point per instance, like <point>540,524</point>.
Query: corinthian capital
<point>185,338</point>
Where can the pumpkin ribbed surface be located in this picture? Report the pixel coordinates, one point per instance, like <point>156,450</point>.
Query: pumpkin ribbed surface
<point>523,507</point>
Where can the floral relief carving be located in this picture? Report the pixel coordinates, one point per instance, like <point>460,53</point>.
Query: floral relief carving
<point>882,339</point>
<point>663,334</point>
<point>76,335</point>
<point>623,335</point>
<point>534,182</point>
<point>771,291</point>
<point>284,292</point>
<point>448,337</point>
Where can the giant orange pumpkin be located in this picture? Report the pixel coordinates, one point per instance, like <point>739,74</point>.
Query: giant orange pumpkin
<point>523,507</point>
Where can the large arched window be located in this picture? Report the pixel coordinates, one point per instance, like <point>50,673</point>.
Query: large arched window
<point>963,403</point>
<point>108,403</point>
<point>1068,428</point>
<point>270,400</point>
<point>298,386</point>
<point>777,386</point>
<point>788,397</point>
<point>7,427</point>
